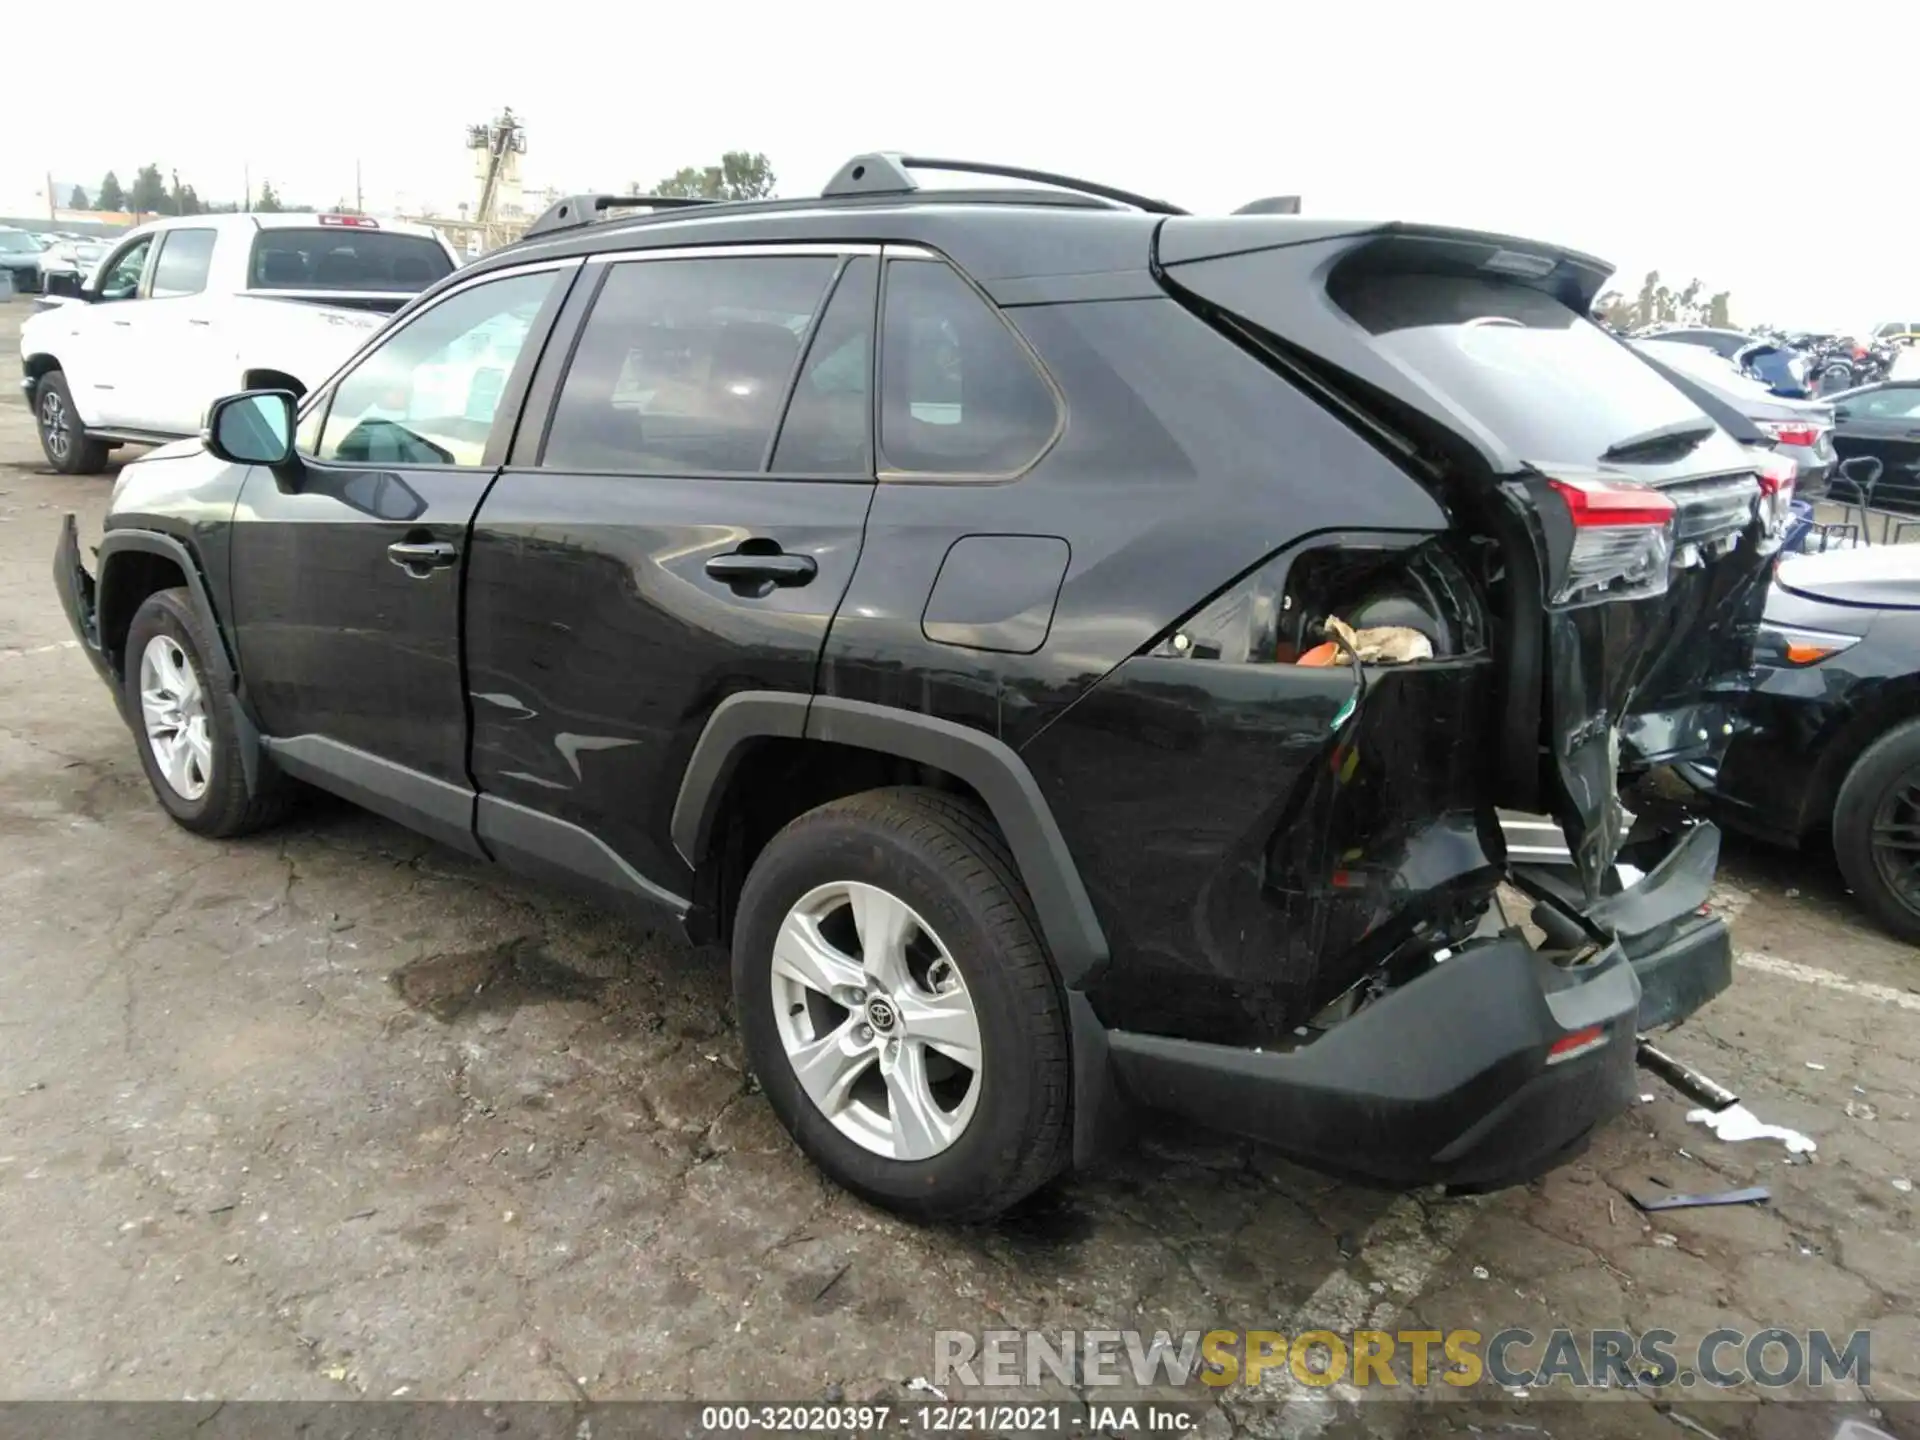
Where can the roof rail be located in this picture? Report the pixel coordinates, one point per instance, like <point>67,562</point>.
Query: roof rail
<point>885,173</point>
<point>578,210</point>
<point>1271,205</point>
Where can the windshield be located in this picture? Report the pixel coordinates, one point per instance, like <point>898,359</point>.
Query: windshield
<point>1553,386</point>
<point>361,261</point>
<point>17,242</point>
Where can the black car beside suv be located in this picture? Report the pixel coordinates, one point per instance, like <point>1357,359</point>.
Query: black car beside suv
<point>908,588</point>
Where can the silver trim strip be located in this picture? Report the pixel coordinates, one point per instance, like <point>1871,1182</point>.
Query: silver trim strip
<point>720,250</point>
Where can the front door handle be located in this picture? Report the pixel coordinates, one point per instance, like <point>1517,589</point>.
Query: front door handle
<point>744,569</point>
<point>420,558</point>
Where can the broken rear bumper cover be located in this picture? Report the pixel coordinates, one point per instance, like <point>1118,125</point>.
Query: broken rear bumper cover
<point>1491,1068</point>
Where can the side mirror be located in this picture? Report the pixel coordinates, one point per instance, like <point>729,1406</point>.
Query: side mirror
<point>62,287</point>
<point>252,428</point>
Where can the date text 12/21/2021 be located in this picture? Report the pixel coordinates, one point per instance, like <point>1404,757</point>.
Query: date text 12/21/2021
<point>950,1419</point>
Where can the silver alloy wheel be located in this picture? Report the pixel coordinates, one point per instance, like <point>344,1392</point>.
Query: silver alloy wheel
<point>881,1032</point>
<point>55,425</point>
<point>173,708</point>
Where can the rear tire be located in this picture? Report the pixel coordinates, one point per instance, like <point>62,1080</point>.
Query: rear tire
<point>937,867</point>
<point>63,438</point>
<point>181,710</point>
<point>1882,794</point>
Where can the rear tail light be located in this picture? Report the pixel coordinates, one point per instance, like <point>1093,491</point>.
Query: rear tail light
<point>1622,540</point>
<point>1793,432</point>
<point>1777,474</point>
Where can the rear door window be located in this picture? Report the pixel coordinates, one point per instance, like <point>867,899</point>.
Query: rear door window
<point>1551,385</point>
<point>959,394</point>
<point>683,366</point>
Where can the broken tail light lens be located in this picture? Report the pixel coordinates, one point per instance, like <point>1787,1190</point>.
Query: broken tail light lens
<point>1575,1043</point>
<point>1622,540</point>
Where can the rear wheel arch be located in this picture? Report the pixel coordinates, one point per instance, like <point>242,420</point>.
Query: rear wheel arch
<point>791,754</point>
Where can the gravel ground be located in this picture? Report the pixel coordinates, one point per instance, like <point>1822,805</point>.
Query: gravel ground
<point>333,1113</point>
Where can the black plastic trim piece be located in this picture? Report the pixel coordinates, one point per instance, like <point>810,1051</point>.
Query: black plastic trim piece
<point>436,808</point>
<point>1071,289</point>
<point>1002,780</point>
<point>155,542</point>
<point>577,210</point>
<point>750,715</point>
<point>547,848</point>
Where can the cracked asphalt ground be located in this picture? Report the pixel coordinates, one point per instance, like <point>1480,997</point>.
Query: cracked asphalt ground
<point>333,1113</point>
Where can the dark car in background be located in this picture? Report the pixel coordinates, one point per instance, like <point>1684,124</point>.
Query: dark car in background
<point>1877,437</point>
<point>1799,430</point>
<point>20,259</point>
<point>1830,749</point>
<point>919,592</point>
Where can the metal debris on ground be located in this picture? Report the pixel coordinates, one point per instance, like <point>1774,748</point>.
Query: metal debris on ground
<point>1752,1195</point>
<point>1736,1123</point>
<point>1684,1078</point>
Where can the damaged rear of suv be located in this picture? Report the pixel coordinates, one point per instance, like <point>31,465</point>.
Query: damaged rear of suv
<point>1076,655</point>
<point>1308,857</point>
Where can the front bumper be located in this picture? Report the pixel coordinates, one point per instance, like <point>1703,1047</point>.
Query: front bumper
<point>1449,1079</point>
<point>78,598</point>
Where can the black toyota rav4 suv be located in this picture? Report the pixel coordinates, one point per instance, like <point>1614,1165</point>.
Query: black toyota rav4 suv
<point>920,592</point>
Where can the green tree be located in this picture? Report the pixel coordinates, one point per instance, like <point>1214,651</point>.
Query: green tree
<point>740,175</point>
<point>112,197</point>
<point>149,193</point>
<point>181,199</point>
<point>78,200</point>
<point>266,202</point>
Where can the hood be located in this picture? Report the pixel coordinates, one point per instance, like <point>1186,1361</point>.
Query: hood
<point>1884,577</point>
<point>173,450</point>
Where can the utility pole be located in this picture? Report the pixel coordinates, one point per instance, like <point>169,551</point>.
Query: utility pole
<point>246,186</point>
<point>359,202</point>
<point>52,200</point>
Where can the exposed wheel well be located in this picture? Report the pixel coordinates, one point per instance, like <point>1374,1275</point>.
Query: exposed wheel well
<point>38,365</point>
<point>136,575</point>
<point>272,380</point>
<point>776,781</point>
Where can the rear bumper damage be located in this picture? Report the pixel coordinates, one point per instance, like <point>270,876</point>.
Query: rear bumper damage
<point>1492,1067</point>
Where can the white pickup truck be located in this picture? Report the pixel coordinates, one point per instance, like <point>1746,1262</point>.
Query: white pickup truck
<point>183,311</point>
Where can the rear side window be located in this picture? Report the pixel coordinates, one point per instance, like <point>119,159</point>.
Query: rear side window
<point>185,258</point>
<point>370,261</point>
<point>959,394</point>
<point>683,365</point>
<point>829,424</point>
<point>1553,386</point>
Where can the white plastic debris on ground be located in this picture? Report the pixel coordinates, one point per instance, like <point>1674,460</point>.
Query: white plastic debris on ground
<point>1736,1122</point>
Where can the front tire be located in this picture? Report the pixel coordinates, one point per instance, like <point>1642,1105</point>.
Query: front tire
<point>1876,830</point>
<point>182,713</point>
<point>63,437</point>
<point>898,1008</point>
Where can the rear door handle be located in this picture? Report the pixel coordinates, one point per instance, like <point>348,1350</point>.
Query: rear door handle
<point>193,321</point>
<point>420,558</point>
<point>744,568</point>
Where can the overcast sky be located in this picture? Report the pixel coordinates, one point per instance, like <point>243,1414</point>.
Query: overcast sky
<point>1683,135</point>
